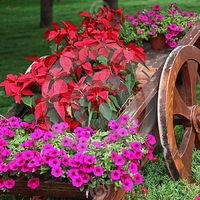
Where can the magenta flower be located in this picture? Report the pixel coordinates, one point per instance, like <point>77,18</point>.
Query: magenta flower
<point>115,174</point>
<point>25,168</point>
<point>38,133</point>
<point>78,130</point>
<point>135,145</point>
<point>71,162</point>
<point>6,152</point>
<point>114,136</point>
<point>77,181</point>
<point>125,176</point>
<point>82,147</point>
<point>57,128</point>
<point>72,173</point>
<point>79,135</point>
<point>89,159</point>
<point>98,170</point>
<point>53,152</point>
<point>86,177</point>
<point>28,143</point>
<point>40,161</point>
<point>62,152</point>
<point>114,155</point>
<point>123,171</point>
<point>159,17</point>
<point>168,36</point>
<point>2,180</point>
<point>135,123</point>
<point>124,119</point>
<point>133,168</point>
<point>73,145</point>
<point>97,144</point>
<point>174,33</point>
<point>138,154</point>
<point>115,126</point>
<point>33,124</point>
<point>88,168</point>
<point>33,162</point>
<point>79,157</point>
<point>151,139</point>
<point>120,160</point>
<point>64,125</point>
<point>33,183</point>
<point>122,132</point>
<point>127,184</point>
<point>138,12</point>
<point>190,24</point>
<point>14,122</point>
<point>191,14</point>
<point>65,160</point>
<point>54,162</point>
<point>173,27</point>
<point>179,29</point>
<point>150,13</point>
<point>83,140</point>
<point>24,124</point>
<point>126,153</point>
<point>157,7</point>
<point>9,183</point>
<point>56,171</point>
<point>141,17</point>
<point>104,143</point>
<point>66,141</point>
<point>27,155</point>
<point>154,26</point>
<point>140,31</point>
<point>13,165</point>
<point>153,21</point>
<point>49,135</point>
<point>111,122</point>
<point>138,178</point>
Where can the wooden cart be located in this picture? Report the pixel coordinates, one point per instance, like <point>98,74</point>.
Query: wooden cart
<point>168,99</point>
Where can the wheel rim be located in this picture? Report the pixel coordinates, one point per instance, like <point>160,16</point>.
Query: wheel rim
<point>177,105</point>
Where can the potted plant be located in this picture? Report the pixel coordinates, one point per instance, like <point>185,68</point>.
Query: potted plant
<point>171,22</point>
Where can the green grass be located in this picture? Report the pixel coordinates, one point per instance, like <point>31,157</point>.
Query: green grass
<point>20,37</point>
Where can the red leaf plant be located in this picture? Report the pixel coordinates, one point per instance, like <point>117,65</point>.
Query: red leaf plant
<point>88,78</point>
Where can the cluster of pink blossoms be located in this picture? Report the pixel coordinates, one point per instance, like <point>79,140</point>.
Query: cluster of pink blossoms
<point>151,21</point>
<point>74,154</point>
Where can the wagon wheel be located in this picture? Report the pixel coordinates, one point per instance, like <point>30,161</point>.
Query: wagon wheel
<point>177,105</point>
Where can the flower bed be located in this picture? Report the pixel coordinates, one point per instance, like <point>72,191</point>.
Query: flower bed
<point>172,22</point>
<point>85,157</point>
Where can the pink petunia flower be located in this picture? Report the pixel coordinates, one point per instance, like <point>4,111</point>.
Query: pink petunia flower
<point>173,27</point>
<point>115,174</point>
<point>25,168</point>
<point>168,36</point>
<point>33,183</point>
<point>57,128</point>
<point>72,173</point>
<point>153,21</point>
<point>77,181</point>
<point>82,147</point>
<point>53,152</point>
<point>54,162</point>
<point>120,160</point>
<point>2,180</point>
<point>122,132</point>
<point>115,126</point>
<point>151,139</point>
<point>65,160</point>
<point>154,26</point>
<point>159,17</point>
<point>73,145</point>
<point>13,165</point>
<point>88,168</point>
<point>28,143</point>
<point>9,183</point>
<point>97,144</point>
<point>126,153</point>
<point>114,155</point>
<point>104,143</point>
<point>56,171</point>
<point>124,119</point>
<point>89,159</point>
<point>133,168</point>
<point>152,32</point>
<point>27,155</point>
<point>140,31</point>
<point>24,124</point>
<point>135,145</point>
<point>138,178</point>
<point>86,177</point>
<point>138,154</point>
<point>180,29</point>
<point>191,14</point>
<point>157,7</point>
<point>150,13</point>
<point>66,141</point>
<point>98,170</point>
<point>190,24</point>
<point>14,122</point>
<point>127,184</point>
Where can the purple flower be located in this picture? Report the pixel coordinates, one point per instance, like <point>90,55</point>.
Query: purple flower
<point>57,128</point>
<point>173,27</point>
<point>82,147</point>
<point>97,144</point>
<point>135,145</point>
<point>104,143</point>
<point>140,31</point>
<point>127,184</point>
<point>154,26</point>
<point>159,17</point>
<point>89,159</point>
<point>153,21</point>
<point>138,154</point>
<point>191,14</point>
<point>179,29</point>
<point>65,160</point>
<point>124,119</point>
<point>151,139</point>
<point>190,24</point>
<point>2,180</point>
<point>98,171</point>
<point>73,145</point>
<point>9,183</point>
<point>14,122</point>
<point>66,141</point>
<point>126,153</point>
<point>150,13</point>
<point>115,136</point>
<point>115,126</point>
<point>88,168</point>
<point>24,124</point>
<point>174,33</point>
<point>157,7</point>
<point>86,177</point>
<point>122,132</point>
<point>120,160</point>
<point>33,183</point>
<point>54,162</point>
<point>56,171</point>
<point>168,36</point>
<point>115,174</point>
<point>72,173</point>
<point>138,178</point>
<point>77,181</point>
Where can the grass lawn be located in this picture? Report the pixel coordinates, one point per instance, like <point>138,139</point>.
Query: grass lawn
<point>20,37</point>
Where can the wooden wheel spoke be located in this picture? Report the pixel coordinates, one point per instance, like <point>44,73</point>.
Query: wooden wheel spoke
<point>186,148</point>
<point>190,80</point>
<point>179,106</point>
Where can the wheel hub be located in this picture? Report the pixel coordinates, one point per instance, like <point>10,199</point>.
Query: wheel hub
<point>196,118</point>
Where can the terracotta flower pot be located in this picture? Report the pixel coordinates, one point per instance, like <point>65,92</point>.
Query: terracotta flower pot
<point>158,42</point>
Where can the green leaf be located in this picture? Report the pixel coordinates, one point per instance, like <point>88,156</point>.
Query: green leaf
<point>114,100</point>
<point>108,182</point>
<point>123,72</point>
<point>27,100</point>
<point>102,59</point>
<point>105,111</point>
<point>81,188</point>
<point>67,79</point>
<point>2,93</point>
<point>77,115</point>
<point>83,102</point>
<point>146,74</point>
<point>29,118</point>
<point>130,82</point>
<point>53,116</point>
<point>122,97</point>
